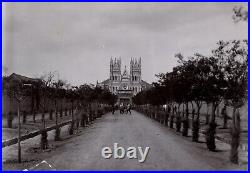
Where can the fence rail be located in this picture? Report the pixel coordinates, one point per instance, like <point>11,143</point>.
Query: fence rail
<point>32,134</point>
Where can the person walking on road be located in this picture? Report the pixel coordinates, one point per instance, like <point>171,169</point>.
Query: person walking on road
<point>121,109</point>
<point>113,109</point>
<point>129,109</point>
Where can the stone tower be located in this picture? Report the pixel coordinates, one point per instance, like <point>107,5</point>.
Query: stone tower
<point>135,70</point>
<point>135,75</point>
<point>115,70</point>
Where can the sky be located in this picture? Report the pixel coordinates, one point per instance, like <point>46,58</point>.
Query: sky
<point>78,39</point>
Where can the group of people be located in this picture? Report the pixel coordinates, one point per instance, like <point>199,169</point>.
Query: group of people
<point>124,109</point>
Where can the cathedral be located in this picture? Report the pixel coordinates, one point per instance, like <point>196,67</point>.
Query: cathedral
<point>125,84</point>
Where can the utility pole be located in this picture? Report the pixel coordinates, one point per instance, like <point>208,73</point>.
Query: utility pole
<point>19,133</point>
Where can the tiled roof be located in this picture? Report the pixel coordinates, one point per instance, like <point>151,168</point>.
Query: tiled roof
<point>20,78</point>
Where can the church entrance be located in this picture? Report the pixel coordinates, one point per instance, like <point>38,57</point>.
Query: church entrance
<point>125,101</point>
<point>124,96</point>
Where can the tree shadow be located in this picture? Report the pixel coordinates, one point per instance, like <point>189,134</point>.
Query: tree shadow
<point>218,151</point>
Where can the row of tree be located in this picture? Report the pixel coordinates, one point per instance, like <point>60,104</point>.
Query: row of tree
<point>48,93</point>
<point>199,79</point>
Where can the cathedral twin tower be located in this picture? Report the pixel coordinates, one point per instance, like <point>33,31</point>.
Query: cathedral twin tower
<point>125,84</point>
<point>133,76</point>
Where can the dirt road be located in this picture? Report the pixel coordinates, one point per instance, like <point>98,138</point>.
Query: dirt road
<point>168,149</point>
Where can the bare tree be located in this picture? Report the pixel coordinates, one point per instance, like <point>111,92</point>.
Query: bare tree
<point>45,89</point>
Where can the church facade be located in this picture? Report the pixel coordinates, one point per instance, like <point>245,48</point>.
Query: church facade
<point>127,83</point>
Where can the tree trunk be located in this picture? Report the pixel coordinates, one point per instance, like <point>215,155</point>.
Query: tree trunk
<point>171,123</point>
<point>198,111</point>
<point>214,105</point>
<point>183,108</point>
<point>24,117</point>
<point>56,117</point>
<point>77,124</point>
<point>43,115</point>
<point>166,118</point>
<point>158,114</point>
<point>179,105</point>
<point>57,134</point>
<point>66,112</point>
<point>44,135</point>
<point>32,105</point>
<point>225,117</point>
<point>210,134</point>
<point>185,123</point>
<point>207,115</point>
<point>225,122</point>
<point>195,130</point>
<point>235,132</point>
<point>61,112</point>
<point>178,122</point>
<point>193,114</point>
<point>83,119</point>
<point>51,114</point>
<point>9,119</point>
<point>34,116</point>
<point>71,128</point>
<point>196,125</point>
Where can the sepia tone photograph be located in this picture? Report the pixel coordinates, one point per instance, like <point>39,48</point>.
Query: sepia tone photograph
<point>125,86</point>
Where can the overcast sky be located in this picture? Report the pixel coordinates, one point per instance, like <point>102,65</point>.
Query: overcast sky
<point>78,39</point>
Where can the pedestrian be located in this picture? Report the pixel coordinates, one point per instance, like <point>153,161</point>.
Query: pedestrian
<point>113,109</point>
<point>121,109</point>
<point>129,109</point>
